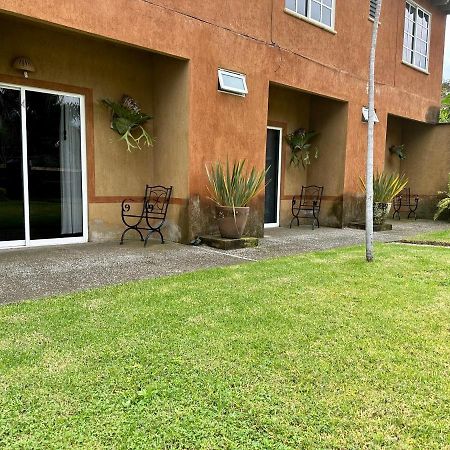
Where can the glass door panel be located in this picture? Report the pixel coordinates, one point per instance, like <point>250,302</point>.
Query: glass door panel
<point>12,215</point>
<point>272,167</point>
<point>54,165</point>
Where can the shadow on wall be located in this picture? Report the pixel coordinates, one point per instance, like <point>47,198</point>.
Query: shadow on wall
<point>427,162</point>
<point>292,109</point>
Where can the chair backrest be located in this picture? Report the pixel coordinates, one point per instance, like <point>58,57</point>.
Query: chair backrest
<point>311,195</point>
<point>156,201</point>
<point>404,196</point>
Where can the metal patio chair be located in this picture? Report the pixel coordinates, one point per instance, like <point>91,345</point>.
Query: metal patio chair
<point>405,202</point>
<point>307,205</point>
<point>152,216</point>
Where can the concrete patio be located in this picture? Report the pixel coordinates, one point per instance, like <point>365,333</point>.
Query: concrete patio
<point>30,273</point>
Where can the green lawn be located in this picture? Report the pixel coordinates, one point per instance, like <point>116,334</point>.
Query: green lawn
<point>319,351</point>
<point>435,238</point>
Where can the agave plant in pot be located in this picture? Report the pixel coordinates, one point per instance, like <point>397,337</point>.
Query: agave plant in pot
<point>385,188</point>
<point>231,188</point>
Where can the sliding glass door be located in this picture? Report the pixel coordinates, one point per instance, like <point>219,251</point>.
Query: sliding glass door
<point>42,167</point>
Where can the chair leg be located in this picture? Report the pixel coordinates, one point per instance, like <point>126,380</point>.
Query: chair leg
<point>160,235</point>
<point>128,229</point>
<point>412,211</point>
<point>290,225</point>
<point>146,237</point>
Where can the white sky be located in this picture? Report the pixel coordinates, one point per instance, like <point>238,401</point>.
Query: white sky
<point>447,51</point>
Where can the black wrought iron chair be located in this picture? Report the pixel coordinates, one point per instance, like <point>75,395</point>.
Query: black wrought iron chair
<point>307,205</point>
<point>152,216</point>
<point>405,202</point>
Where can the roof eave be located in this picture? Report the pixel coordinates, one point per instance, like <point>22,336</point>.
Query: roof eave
<point>444,5</point>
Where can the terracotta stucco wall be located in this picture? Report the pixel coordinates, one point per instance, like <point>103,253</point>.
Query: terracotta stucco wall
<point>259,39</point>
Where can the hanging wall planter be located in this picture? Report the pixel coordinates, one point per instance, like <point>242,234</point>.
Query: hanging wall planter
<point>128,121</point>
<point>398,150</point>
<point>300,145</point>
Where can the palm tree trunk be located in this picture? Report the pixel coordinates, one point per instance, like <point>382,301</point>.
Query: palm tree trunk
<point>369,164</point>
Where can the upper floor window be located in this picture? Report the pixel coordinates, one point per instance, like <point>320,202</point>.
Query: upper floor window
<point>372,8</point>
<point>416,39</point>
<point>321,11</point>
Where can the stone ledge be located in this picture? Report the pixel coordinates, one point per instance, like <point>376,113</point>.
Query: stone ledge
<point>362,226</point>
<point>229,244</point>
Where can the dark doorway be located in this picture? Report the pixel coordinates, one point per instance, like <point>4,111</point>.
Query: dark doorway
<point>271,212</point>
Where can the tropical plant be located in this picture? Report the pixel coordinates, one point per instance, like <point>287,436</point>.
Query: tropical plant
<point>299,142</point>
<point>370,140</point>
<point>128,120</point>
<point>232,186</point>
<point>444,204</point>
<point>386,186</point>
<point>444,115</point>
<point>398,150</point>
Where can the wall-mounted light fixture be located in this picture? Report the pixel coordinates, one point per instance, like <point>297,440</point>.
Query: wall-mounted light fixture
<point>365,115</point>
<point>23,64</point>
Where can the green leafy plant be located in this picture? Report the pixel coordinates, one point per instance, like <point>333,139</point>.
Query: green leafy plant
<point>299,142</point>
<point>386,186</point>
<point>128,120</point>
<point>444,115</point>
<point>398,150</point>
<point>444,204</point>
<point>232,185</point>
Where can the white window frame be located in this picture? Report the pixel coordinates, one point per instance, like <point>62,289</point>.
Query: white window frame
<point>28,242</point>
<point>223,87</point>
<point>308,17</point>
<point>415,38</point>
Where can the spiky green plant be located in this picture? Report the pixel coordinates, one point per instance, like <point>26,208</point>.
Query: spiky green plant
<point>299,142</point>
<point>386,186</point>
<point>128,122</point>
<point>444,204</point>
<point>233,185</point>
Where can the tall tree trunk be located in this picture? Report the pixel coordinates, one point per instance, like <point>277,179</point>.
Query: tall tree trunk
<point>369,163</point>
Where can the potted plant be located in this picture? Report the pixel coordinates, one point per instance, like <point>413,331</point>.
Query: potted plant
<point>444,203</point>
<point>300,145</point>
<point>231,189</point>
<point>385,188</point>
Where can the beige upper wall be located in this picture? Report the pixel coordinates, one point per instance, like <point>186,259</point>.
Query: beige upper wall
<point>160,86</point>
<point>394,136</point>
<point>291,109</point>
<point>171,124</point>
<point>329,118</point>
<point>427,164</point>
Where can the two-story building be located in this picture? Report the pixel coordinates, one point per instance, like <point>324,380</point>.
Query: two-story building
<point>220,79</point>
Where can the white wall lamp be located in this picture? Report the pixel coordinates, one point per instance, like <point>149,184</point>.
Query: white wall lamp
<point>23,64</point>
<point>365,115</point>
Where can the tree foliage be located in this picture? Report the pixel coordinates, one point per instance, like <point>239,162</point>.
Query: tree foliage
<point>444,116</point>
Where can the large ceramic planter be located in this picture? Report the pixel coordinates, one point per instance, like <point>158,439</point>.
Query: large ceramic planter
<point>380,212</point>
<point>231,221</point>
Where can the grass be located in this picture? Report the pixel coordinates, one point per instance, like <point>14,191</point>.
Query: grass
<point>319,351</point>
<point>436,237</point>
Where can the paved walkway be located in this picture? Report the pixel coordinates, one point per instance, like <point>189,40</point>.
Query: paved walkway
<point>38,272</point>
